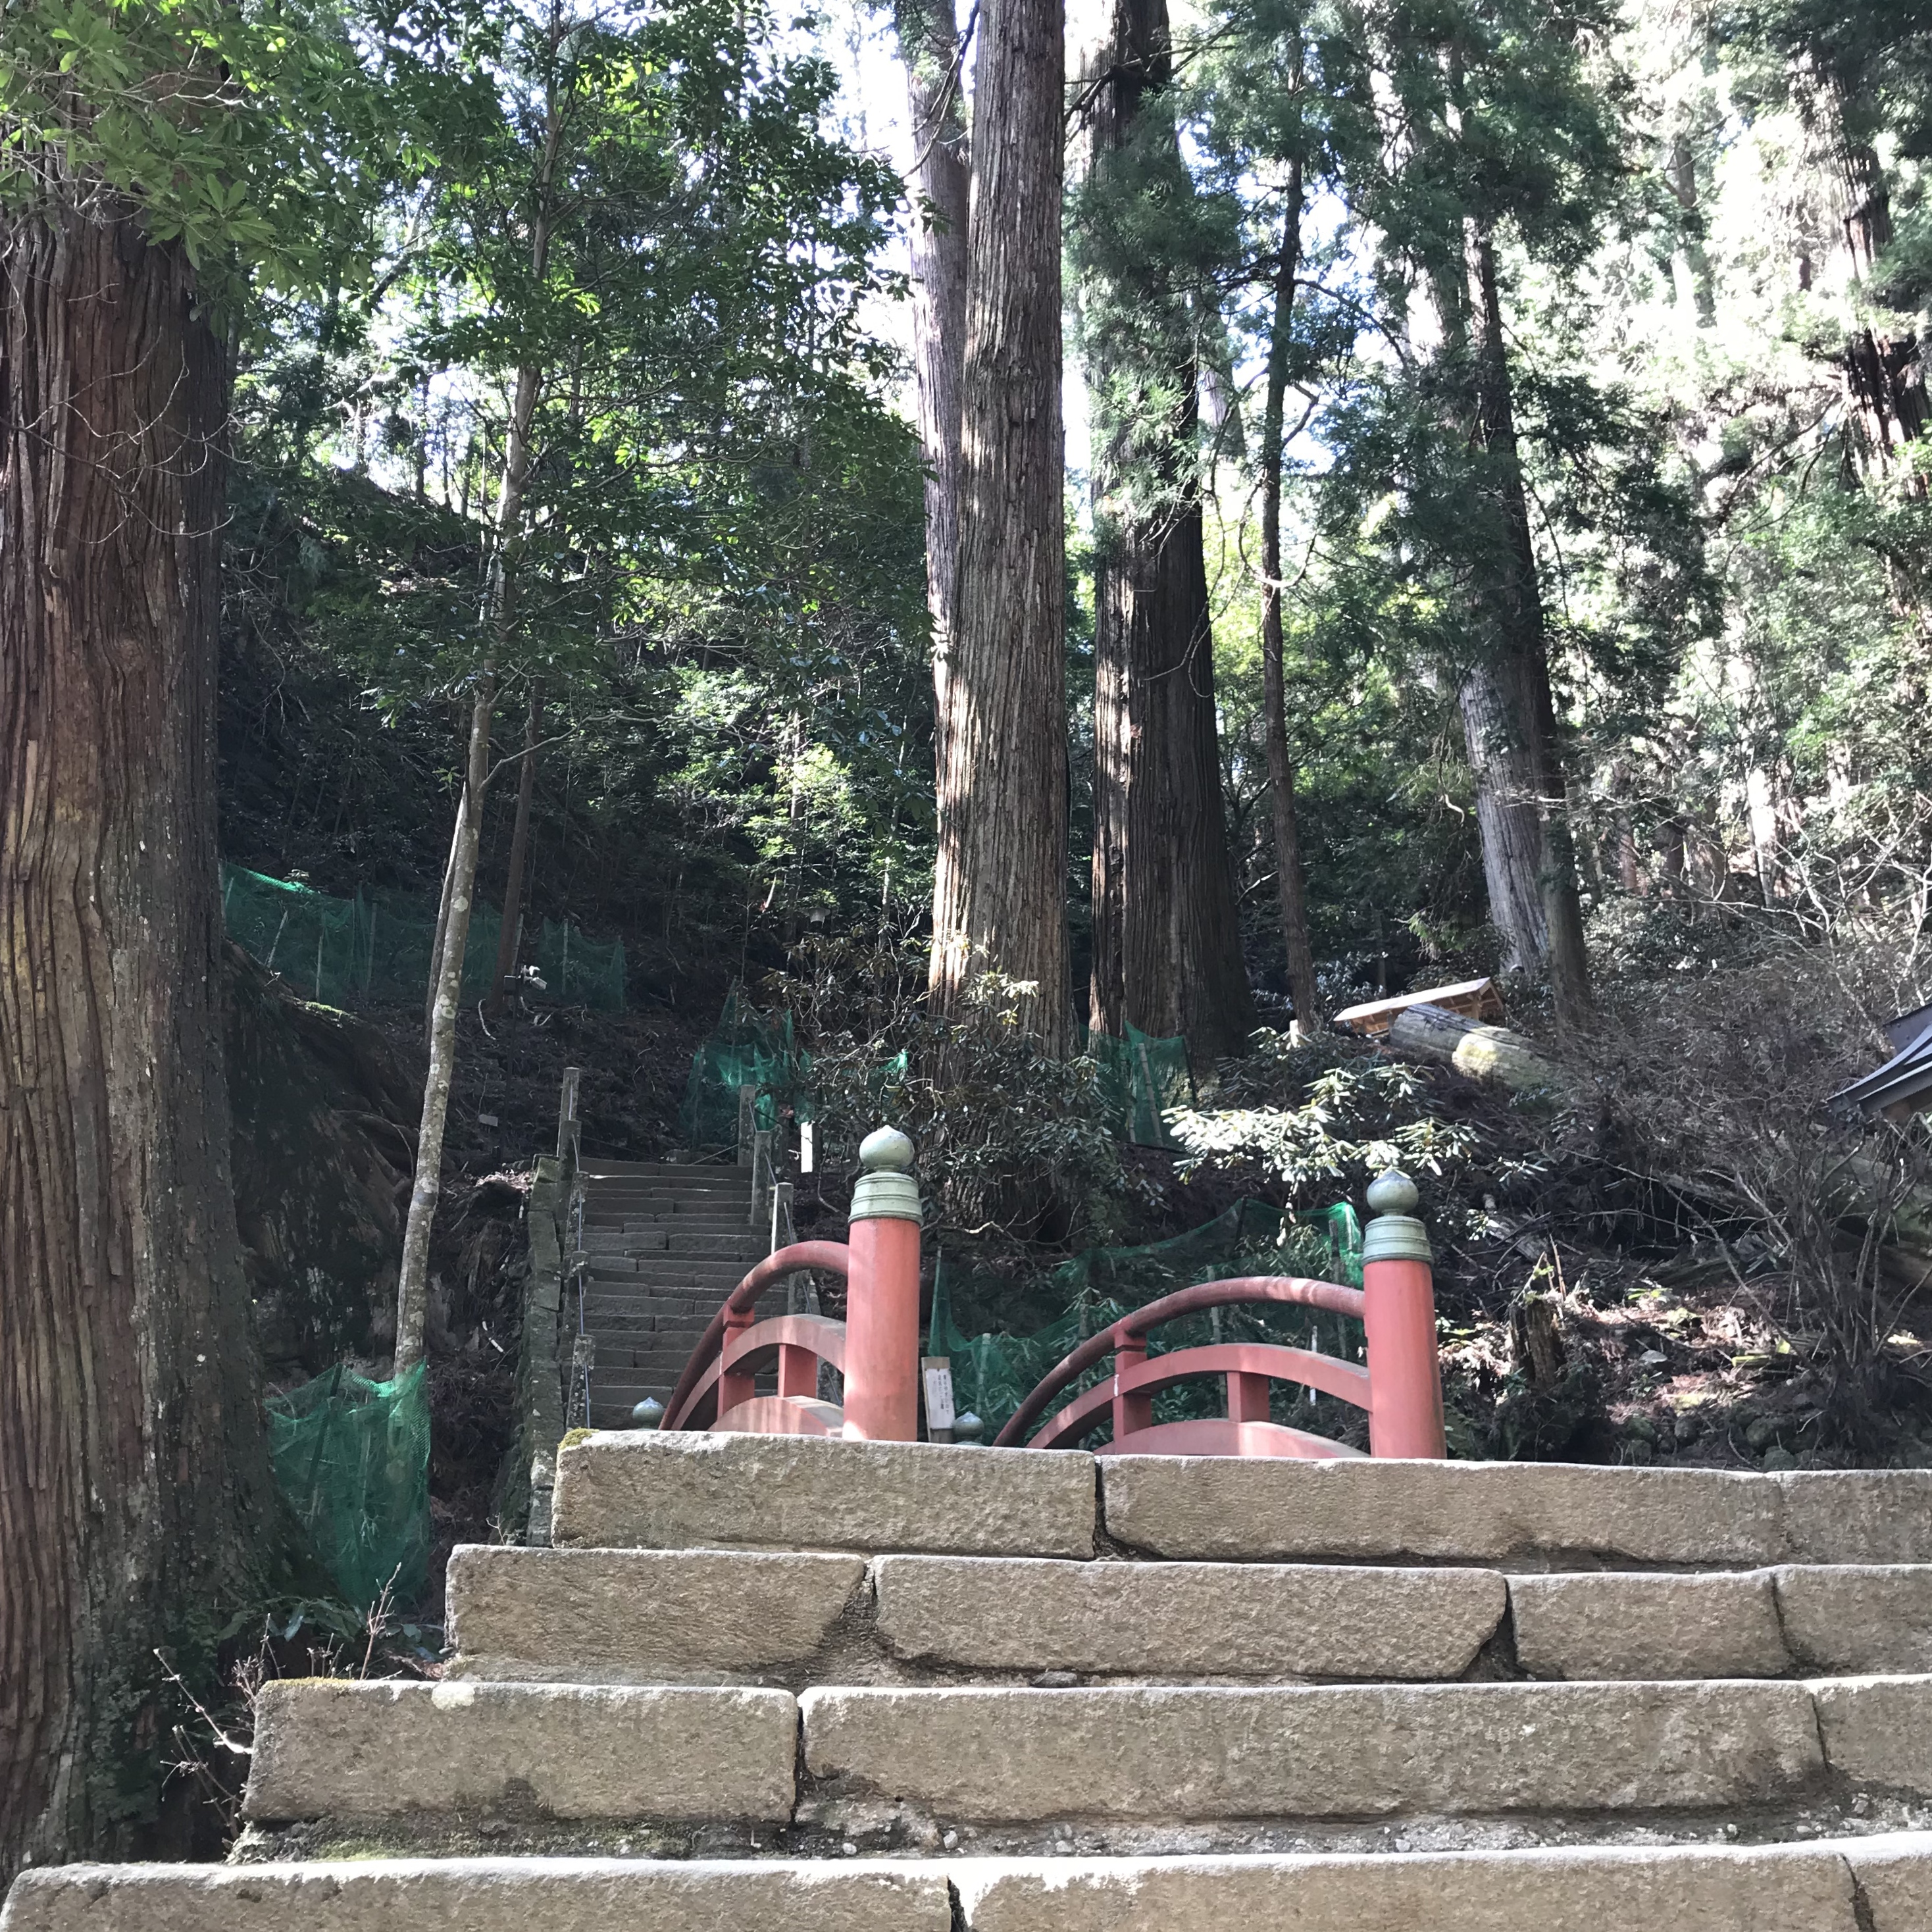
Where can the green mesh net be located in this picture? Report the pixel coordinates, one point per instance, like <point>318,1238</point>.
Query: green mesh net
<point>992,1374</point>
<point>746,1048</point>
<point>352,953</point>
<point>1140,1077</point>
<point>352,1456</point>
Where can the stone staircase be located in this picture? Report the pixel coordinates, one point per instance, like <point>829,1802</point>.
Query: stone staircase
<point>770,1682</point>
<point>665,1242</point>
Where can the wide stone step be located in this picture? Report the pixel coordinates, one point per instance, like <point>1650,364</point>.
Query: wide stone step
<point>348,1748</point>
<point>1875,1884</point>
<point>684,1489</point>
<point>1141,1756</point>
<point>645,1616</point>
<point>1552,1514</point>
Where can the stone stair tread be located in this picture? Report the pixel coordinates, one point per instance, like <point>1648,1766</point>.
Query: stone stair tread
<point>1168,1754</point>
<point>1871,1884</point>
<point>682,1490</point>
<point>371,1748</point>
<point>1262,1510</point>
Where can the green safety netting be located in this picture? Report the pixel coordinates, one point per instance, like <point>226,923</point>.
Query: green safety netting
<point>745,1049</point>
<point>352,1456</point>
<point>1140,1077</point>
<point>992,1374</point>
<point>348,953</point>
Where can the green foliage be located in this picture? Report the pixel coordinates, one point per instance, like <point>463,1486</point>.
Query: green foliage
<point>261,136</point>
<point>1352,1117</point>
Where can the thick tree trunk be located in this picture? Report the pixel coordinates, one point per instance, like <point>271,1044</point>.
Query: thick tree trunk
<point>999,891</point>
<point>134,1471</point>
<point>1517,736</point>
<point>1167,941</point>
<point>510,933</point>
<point>935,89</point>
<point>1290,883</point>
<point>1493,707</point>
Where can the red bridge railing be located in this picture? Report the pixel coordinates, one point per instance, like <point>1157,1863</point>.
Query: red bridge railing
<point>875,1349</point>
<point>1399,1385</point>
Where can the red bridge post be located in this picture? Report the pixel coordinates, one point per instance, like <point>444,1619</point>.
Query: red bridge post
<point>882,1294</point>
<point>1398,1294</point>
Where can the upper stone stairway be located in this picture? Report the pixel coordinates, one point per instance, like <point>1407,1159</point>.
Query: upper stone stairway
<point>781,1683</point>
<point>663,1244</point>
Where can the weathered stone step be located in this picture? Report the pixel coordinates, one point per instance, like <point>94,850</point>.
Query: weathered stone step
<point>348,1748</point>
<point>1793,1620</point>
<point>1875,1884</point>
<point>1551,1514</point>
<point>1143,1757</point>
<point>645,1616</point>
<point>647,1270</point>
<point>733,1246</point>
<point>597,1167</point>
<point>643,1489</point>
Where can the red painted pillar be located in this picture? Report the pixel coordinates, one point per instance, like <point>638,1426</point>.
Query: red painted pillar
<point>882,1295</point>
<point>1399,1289</point>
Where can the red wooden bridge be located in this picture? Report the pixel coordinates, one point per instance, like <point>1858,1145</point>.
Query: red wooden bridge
<point>875,1350</point>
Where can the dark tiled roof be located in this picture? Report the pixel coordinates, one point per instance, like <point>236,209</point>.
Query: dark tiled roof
<point>1905,1080</point>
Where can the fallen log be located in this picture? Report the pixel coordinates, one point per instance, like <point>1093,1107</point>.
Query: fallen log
<point>1484,1052</point>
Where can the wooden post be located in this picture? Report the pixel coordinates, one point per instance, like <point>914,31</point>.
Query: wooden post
<point>566,1114</point>
<point>1398,1287</point>
<point>748,1115</point>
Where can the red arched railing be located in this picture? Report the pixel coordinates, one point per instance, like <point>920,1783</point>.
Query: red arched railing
<point>735,1344</point>
<point>876,1349</point>
<point>1127,1397</point>
<point>1400,1384</point>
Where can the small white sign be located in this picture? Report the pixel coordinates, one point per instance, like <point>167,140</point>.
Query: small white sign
<point>937,1372</point>
<point>804,1147</point>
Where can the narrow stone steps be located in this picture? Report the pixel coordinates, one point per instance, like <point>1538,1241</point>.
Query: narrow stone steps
<point>1874,1884</point>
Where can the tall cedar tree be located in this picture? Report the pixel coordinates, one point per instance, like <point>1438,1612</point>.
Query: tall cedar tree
<point>1167,938</point>
<point>133,1471</point>
<point>935,92</point>
<point>999,885</point>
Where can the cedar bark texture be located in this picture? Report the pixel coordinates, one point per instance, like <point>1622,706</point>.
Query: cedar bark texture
<point>935,92</point>
<point>134,1469</point>
<point>1167,940</point>
<point>1291,881</point>
<point>999,890</point>
<point>1518,735</point>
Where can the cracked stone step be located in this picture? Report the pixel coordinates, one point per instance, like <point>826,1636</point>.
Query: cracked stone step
<point>1877,1884</point>
<point>345,1748</point>
<point>1228,1510</point>
<point>689,1490</point>
<point>1161,1756</point>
